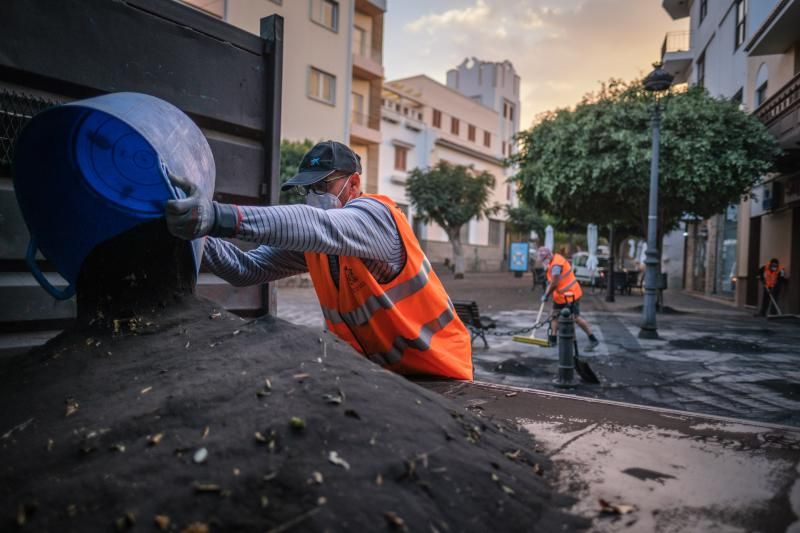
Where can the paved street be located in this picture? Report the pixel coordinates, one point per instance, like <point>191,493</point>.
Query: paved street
<point>712,358</point>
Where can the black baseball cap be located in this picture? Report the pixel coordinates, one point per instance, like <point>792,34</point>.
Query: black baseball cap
<point>324,159</point>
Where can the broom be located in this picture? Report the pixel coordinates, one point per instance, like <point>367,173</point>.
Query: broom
<point>780,313</point>
<point>532,339</point>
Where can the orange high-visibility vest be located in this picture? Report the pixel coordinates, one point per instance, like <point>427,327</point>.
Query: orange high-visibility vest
<point>770,277</point>
<point>407,325</point>
<point>567,281</point>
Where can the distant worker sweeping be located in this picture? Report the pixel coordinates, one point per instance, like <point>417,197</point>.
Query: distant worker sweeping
<point>376,288</point>
<point>772,275</point>
<point>566,291</point>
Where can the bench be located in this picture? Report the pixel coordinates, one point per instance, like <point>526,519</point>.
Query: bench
<point>469,314</point>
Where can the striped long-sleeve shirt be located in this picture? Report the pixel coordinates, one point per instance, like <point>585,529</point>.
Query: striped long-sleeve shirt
<point>363,228</point>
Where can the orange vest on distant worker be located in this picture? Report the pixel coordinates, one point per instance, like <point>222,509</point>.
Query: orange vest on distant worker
<point>770,277</point>
<point>566,282</point>
<point>407,325</point>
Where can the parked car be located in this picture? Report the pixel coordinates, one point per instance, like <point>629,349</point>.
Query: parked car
<point>584,275</point>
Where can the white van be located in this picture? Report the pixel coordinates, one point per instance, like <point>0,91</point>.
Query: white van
<point>583,274</point>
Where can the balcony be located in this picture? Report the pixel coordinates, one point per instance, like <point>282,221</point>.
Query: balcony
<point>780,113</point>
<point>778,32</point>
<point>367,63</point>
<point>676,55</point>
<point>365,128</point>
<point>677,9</point>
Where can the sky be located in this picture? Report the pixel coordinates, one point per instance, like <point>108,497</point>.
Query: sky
<point>561,49</point>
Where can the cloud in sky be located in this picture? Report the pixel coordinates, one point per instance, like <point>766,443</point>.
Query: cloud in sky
<point>561,49</point>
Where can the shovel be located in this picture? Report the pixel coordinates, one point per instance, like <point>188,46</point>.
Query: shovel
<point>583,369</point>
<point>532,339</point>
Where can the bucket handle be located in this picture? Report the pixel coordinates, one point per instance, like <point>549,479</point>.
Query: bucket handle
<point>30,259</point>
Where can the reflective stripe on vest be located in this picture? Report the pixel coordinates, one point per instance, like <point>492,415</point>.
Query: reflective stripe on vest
<point>421,343</point>
<point>387,300</point>
<point>574,281</point>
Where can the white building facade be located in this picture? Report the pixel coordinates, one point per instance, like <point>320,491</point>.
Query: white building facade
<point>424,122</point>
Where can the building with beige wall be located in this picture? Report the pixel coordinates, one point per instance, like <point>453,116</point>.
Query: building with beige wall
<point>332,68</point>
<point>430,122</point>
<point>746,50</point>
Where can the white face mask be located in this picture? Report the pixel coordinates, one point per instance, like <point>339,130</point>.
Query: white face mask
<point>326,200</point>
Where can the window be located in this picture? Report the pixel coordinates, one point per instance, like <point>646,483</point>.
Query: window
<point>437,118</point>
<point>761,94</point>
<point>325,13</point>
<point>508,110</point>
<point>357,101</point>
<point>279,2</point>
<point>495,232</point>
<point>471,132</point>
<point>703,10</point>
<point>322,86</point>
<point>454,125</point>
<point>739,96</point>
<point>487,139</point>
<point>701,69</point>
<point>740,8</point>
<point>510,148</point>
<point>400,158</point>
<point>503,151</point>
<point>360,41</point>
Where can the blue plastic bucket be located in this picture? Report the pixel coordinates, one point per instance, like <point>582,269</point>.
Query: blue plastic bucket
<point>89,170</point>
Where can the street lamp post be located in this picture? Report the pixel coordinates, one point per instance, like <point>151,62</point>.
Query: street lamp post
<point>656,82</point>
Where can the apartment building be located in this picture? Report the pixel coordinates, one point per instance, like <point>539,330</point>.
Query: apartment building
<point>724,52</point>
<point>772,90</point>
<point>495,85</point>
<point>332,68</point>
<point>425,122</point>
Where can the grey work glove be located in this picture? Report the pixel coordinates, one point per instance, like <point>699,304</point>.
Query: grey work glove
<point>196,216</point>
<point>545,297</point>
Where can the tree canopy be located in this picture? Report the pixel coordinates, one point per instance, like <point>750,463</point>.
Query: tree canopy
<point>451,195</point>
<point>292,153</point>
<point>591,164</point>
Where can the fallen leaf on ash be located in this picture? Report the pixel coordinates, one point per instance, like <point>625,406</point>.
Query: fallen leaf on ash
<point>200,456</point>
<point>196,527</point>
<point>394,521</point>
<point>297,423</point>
<point>615,508</point>
<point>161,521</point>
<point>152,440</point>
<point>72,406</point>
<point>334,458</point>
<point>205,432</point>
<point>207,487</point>
<point>145,390</point>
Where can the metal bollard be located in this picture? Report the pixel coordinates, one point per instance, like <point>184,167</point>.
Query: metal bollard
<point>566,354</point>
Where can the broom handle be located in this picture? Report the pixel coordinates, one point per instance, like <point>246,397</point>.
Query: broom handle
<point>539,314</point>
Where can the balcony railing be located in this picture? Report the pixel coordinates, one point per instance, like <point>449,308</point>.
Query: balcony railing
<point>675,41</point>
<point>369,53</point>
<point>363,119</point>
<point>786,100</point>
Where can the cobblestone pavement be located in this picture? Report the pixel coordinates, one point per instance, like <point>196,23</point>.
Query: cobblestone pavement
<point>711,358</point>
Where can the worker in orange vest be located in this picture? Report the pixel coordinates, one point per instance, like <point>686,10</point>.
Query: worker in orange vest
<point>376,288</point>
<point>772,276</point>
<point>566,291</point>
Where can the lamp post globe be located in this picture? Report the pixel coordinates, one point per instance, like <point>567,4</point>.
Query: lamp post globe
<point>656,82</point>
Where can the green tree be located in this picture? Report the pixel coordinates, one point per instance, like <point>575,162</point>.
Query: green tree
<point>591,164</point>
<point>292,153</point>
<point>450,195</point>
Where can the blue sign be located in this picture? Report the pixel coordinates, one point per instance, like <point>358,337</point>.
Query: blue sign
<point>518,259</point>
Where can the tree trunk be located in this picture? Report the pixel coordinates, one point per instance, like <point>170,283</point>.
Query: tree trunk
<point>458,254</point>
